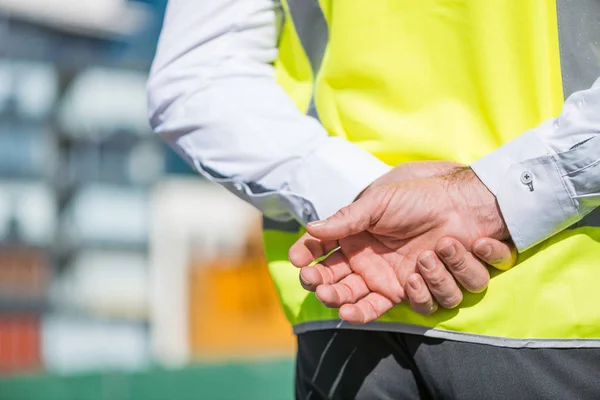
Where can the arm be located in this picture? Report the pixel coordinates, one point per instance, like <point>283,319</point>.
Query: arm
<point>213,97</point>
<point>560,161</point>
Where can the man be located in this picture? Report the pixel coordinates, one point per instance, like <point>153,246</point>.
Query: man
<point>389,82</point>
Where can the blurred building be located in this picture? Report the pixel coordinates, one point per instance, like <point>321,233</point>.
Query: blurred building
<point>113,255</point>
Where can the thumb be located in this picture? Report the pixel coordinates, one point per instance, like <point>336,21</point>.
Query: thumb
<point>500,255</point>
<point>350,220</point>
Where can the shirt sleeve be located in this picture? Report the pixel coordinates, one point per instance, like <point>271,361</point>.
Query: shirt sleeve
<point>213,97</point>
<point>548,178</point>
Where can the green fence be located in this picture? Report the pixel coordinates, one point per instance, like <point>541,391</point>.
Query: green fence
<point>272,380</point>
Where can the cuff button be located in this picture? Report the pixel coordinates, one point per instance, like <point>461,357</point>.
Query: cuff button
<point>527,179</point>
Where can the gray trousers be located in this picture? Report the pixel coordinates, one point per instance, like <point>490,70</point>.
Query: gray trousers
<point>353,364</point>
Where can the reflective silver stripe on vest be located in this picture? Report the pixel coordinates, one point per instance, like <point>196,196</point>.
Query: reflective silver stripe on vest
<point>579,37</point>
<point>450,335</point>
<point>311,28</point>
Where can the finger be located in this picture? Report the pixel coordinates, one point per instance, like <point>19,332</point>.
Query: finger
<point>441,284</point>
<point>366,257</point>
<point>500,255</point>
<point>327,272</point>
<point>347,291</point>
<point>350,220</point>
<point>368,309</point>
<point>307,249</point>
<point>471,273</point>
<point>403,260</point>
<point>418,295</point>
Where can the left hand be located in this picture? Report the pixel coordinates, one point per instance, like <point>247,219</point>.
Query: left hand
<point>382,234</point>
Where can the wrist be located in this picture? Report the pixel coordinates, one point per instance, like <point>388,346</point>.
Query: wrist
<point>474,200</point>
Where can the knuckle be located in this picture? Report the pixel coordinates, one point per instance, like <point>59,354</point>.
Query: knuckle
<point>349,216</point>
<point>397,295</point>
<point>437,281</point>
<point>372,313</point>
<point>421,299</point>
<point>460,263</point>
<point>347,293</point>
<point>352,218</point>
<point>445,242</point>
<point>418,296</point>
<point>327,275</point>
<point>345,212</point>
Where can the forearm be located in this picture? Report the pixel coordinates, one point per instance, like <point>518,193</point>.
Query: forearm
<point>214,98</point>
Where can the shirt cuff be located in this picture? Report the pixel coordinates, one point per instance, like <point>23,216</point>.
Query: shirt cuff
<point>334,174</point>
<point>533,199</point>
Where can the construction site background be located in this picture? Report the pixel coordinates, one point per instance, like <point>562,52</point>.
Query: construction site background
<point>123,274</point>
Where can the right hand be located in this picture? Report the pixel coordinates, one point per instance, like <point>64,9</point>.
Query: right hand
<point>440,284</point>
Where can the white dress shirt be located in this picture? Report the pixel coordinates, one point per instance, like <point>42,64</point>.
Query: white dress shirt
<point>548,178</point>
<point>213,97</point>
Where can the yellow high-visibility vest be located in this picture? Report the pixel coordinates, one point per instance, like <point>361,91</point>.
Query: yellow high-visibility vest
<point>450,80</point>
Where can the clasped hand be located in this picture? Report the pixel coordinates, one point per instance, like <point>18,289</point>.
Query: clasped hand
<point>409,237</point>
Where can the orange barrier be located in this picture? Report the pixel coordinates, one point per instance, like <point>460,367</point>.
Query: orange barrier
<point>234,310</point>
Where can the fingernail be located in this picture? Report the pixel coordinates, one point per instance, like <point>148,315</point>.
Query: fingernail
<point>427,262</point>
<point>448,251</point>
<point>415,283</point>
<point>316,224</point>
<point>483,249</point>
<point>304,281</point>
